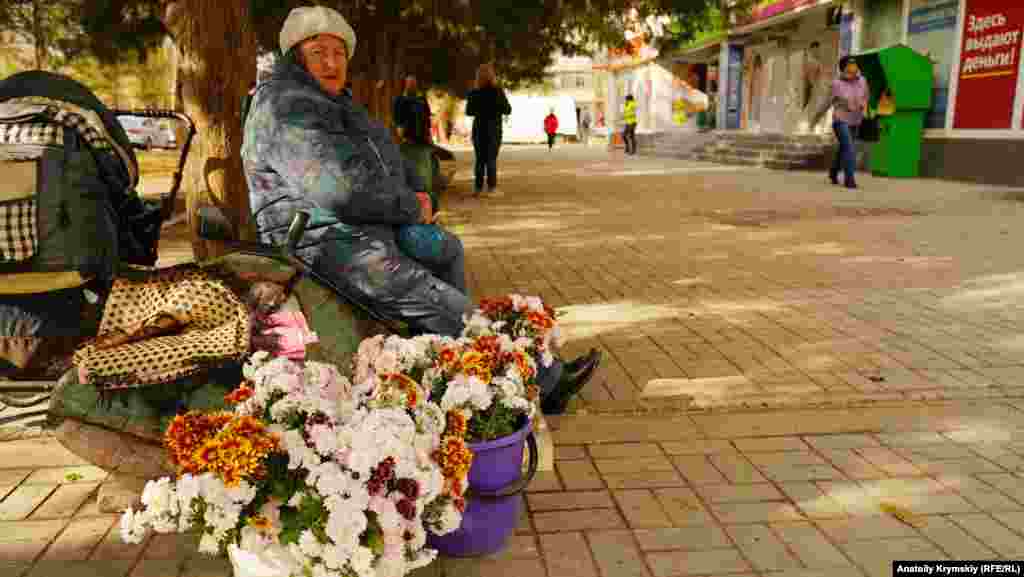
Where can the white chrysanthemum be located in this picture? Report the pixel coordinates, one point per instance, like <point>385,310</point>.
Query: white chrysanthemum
<point>134,526</point>
<point>477,325</point>
<point>310,545</point>
<point>430,419</point>
<point>159,496</point>
<point>457,395</point>
<point>300,455</point>
<point>449,520</point>
<point>335,558</point>
<point>508,387</point>
<point>344,529</point>
<point>479,394</point>
<point>324,439</point>
<point>361,562</point>
<point>519,404</point>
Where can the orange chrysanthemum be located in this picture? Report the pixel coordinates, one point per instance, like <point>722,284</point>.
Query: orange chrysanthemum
<point>407,385</point>
<point>454,457</point>
<point>188,432</point>
<point>489,345</point>
<point>239,395</point>
<point>260,522</point>
<point>497,307</point>
<point>456,425</point>
<point>523,364</point>
<point>234,448</point>
<point>540,321</point>
<point>448,357</point>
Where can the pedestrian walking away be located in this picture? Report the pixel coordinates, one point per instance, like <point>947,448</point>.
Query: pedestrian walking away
<point>487,104</point>
<point>551,128</point>
<point>850,95</point>
<point>629,134</point>
<point>585,127</point>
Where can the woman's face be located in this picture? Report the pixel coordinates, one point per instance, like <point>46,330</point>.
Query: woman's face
<point>852,69</point>
<point>326,59</point>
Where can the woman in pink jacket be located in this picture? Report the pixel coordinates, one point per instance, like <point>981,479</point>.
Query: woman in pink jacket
<point>850,94</point>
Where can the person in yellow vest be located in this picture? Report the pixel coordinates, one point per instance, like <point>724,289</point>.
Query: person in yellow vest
<point>629,134</point>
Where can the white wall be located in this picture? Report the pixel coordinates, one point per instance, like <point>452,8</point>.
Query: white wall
<point>526,124</point>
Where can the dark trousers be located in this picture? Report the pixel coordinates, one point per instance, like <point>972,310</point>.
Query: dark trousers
<point>629,138</point>
<point>486,152</point>
<point>551,141</point>
<point>846,154</point>
<point>548,377</point>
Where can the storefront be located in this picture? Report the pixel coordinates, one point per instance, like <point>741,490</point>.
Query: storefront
<point>633,72</point>
<point>694,78</point>
<point>975,129</point>
<point>789,54</point>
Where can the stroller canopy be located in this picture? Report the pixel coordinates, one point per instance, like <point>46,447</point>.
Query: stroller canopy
<point>63,89</point>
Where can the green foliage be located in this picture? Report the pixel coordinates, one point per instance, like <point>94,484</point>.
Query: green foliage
<point>444,39</point>
<point>47,26</point>
<point>496,422</point>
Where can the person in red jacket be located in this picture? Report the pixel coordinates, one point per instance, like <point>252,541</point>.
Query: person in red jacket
<point>551,127</point>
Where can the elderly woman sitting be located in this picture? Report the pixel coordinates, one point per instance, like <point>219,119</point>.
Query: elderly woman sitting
<point>309,147</point>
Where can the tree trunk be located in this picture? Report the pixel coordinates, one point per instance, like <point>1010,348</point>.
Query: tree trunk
<point>217,51</point>
<point>38,36</point>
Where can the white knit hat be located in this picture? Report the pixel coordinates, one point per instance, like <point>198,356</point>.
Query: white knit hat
<point>309,21</point>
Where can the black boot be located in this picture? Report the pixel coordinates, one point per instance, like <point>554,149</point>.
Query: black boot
<point>576,365</point>
<point>572,383</point>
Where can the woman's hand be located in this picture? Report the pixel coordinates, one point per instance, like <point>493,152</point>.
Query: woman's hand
<point>426,208</point>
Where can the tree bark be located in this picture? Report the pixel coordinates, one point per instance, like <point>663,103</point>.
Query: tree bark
<point>38,36</point>
<point>217,50</point>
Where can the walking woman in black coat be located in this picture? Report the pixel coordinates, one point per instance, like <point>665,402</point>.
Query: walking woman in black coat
<point>487,104</point>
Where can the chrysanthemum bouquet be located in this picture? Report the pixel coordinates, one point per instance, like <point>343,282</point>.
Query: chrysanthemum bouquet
<point>529,322</point>
<point>312,475</point>
<point>483,385</point>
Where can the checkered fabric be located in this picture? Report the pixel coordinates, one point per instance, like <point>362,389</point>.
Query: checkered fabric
<point>18,230</point>
<point>39,133</point>
<point>87,131</point>
<point>87,123</point>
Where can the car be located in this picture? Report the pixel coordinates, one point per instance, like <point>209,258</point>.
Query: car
<point>147,133</point>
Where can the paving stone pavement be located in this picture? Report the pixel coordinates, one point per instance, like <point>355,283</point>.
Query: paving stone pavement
<point>849,365</point>
<point>771,493</point>
<point>758,288</point>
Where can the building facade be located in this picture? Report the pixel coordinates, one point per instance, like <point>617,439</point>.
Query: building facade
<point>776,66</point>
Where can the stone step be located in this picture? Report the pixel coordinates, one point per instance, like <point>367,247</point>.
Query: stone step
<point>772,163</point>
<point>778,155</point>
<point>753,145</point>
<point>773,138</point>
<point>785,148</point>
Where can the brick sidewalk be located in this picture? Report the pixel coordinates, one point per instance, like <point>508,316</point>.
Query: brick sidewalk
<point>772,494</point>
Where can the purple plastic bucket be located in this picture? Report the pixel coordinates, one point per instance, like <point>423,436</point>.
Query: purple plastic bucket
<point>488,522</point>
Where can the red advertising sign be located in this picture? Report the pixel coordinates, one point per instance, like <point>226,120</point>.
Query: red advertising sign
<point>989,64</point>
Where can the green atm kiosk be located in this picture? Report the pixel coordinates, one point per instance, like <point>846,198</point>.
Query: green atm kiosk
<point>900,80</point>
